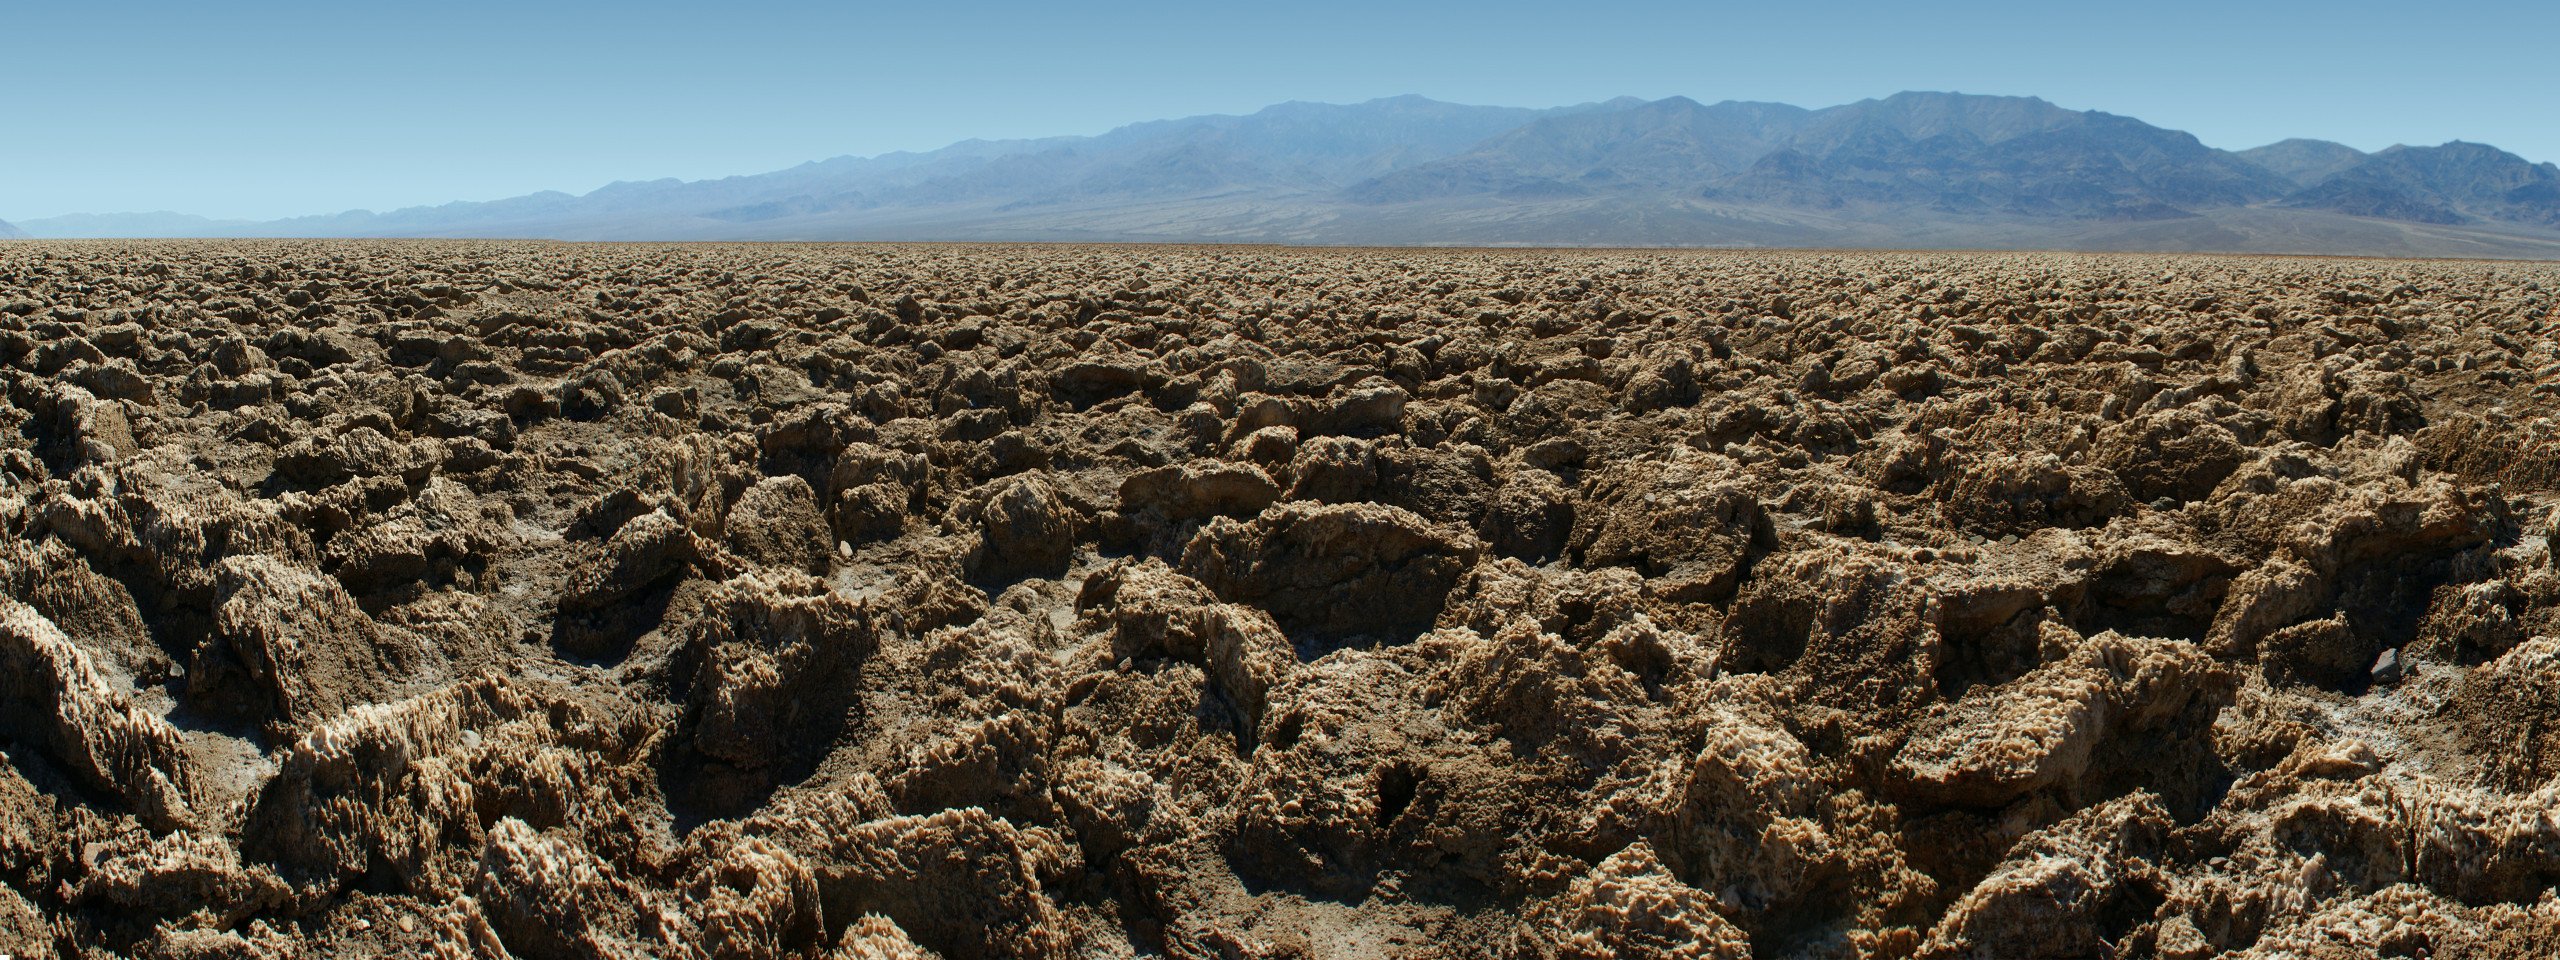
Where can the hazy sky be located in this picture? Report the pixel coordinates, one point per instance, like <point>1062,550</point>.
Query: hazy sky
<point>275,109</point>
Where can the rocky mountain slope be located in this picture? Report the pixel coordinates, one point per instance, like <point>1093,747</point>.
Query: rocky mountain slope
<point>1674,145</point>
<point>732,602</point>
<point>1999,157</point>
<point>2455,183</point>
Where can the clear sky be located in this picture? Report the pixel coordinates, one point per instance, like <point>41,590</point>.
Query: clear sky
<point>283,108</point>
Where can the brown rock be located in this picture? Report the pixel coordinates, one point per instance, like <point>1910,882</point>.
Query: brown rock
<point>1690,526</point>
<point>55,696</point>
<point>1339,571</point>
<point>776,523</point>
<point>1629,906</point>
<point>1024,530</point>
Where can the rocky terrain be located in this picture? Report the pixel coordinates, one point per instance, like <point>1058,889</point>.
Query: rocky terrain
<point>482,600</point>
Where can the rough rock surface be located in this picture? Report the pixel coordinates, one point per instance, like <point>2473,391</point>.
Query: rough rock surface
<point>745,602</point>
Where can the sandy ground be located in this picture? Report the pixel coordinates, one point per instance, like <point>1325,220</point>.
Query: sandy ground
<point>537,600</point>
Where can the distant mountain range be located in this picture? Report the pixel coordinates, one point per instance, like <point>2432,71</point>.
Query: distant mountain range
<point>1910,170</point>
<point>8,232</point>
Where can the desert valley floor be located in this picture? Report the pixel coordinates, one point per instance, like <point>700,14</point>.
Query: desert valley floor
<point>743,601</point>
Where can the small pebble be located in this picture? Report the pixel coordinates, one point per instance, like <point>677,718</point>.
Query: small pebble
<point>2387,668</point>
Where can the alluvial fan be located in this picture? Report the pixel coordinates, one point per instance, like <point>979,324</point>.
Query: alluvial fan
<point>536,600</point>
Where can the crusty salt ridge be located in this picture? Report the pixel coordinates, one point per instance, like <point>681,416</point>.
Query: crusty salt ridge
<point>538,600</point>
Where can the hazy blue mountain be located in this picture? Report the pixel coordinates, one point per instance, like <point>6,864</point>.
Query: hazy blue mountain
<point>1675,144</point>
<point>8,232</point>
<point>1956,155</point>
<point>2454,183</point>
<point>1334,143</point>
<point>2303,161</point>
<point>1284,148</point>
<point>1998,156</point>
<point>1912,170</point>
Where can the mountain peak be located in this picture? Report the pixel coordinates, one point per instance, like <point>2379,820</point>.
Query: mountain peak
<point>2304,161</point>
<point>1958,96</point>
<point>2455,182</point>
<point>1922,114</point>
<point>2454,151</point>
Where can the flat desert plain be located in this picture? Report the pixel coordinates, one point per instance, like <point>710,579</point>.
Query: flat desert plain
<point>540,600</point>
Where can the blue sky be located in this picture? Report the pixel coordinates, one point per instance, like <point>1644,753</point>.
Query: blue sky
<point>275,109</point>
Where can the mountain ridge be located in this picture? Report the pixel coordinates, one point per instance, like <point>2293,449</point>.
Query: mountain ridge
<point>1912,169</point>
<point>2454,183</point>
<point>2304,161</point>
